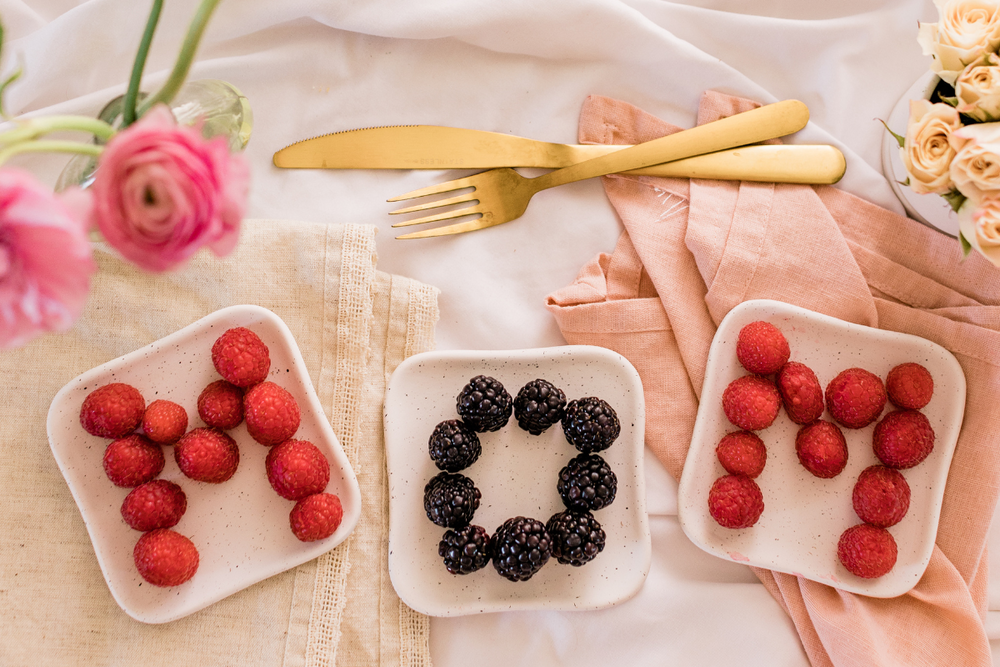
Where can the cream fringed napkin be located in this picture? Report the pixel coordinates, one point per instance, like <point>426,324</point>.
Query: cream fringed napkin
<point>353,325</point>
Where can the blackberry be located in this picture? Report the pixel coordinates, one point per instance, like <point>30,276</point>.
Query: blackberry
<point>484,404</point>
<point>521,546</point>
<point>539,405</point>
<point>465,550</point>
<point>450,500</point>
<point>453,446</point>
<point>577,537</point>
<point>590,424</point>
<point>587,482</point>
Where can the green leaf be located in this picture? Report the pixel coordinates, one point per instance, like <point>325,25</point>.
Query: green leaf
<point>901,140</point>
<point>3,88</point>
<point>966,246</point>
<point>955,199</point>
<point>132,93</point>
<point>953,101</point>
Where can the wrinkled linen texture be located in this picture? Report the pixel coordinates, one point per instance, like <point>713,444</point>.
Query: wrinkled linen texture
<point>353,325</point>
<point>693,250</point>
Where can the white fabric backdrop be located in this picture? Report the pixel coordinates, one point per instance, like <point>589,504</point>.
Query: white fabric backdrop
<point>521,67</point>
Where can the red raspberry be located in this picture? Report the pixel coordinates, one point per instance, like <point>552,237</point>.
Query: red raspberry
<point>220,405</point>
<point>855,397</point>
<point>881,496</point>
<point>735,501</point>
<point>761,348</point>
<point>867,551</point>
<point>296,469</point>
<point>742,453</point>
<point>271,412</point>
<point>207,455</point>
<point>241,357</point>
<point>155,504</point>
<point>822,449</point>
<point>800,392</point>
<point>112,411</point>
<point>903,438</point>
<point>164,422</point>
<point>165,558</point>
<point>909,386</point>
<point>132,460</point>
<point>751,402</point>
<point>316,517</point>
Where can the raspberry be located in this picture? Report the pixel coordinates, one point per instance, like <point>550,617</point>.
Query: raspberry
<point>164,422</point>
<point>855,397</point>
<point>742,453</point>
<point>822,449</point>
<point>132,460</point>
<point>801,393</point>
<point>155,504</point>
<point>271,413</point>
<point>296,469</point>
<point>751,402</point>
<point>165,558</point>
<point>316,517</point>
<point>735,501</point>
<point>220,405</point>
<point>903,438</point>
<point>484,404</point>
<point>241,357</point>
<point>590,424</point>
<point>762,348</point>
<point>909,386</point>
<point>881,496</point>
<point>112,411</point>
<point>207,455</point>
<point>867,551</point>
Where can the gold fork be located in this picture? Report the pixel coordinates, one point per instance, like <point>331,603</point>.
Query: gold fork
<point>502,195</point>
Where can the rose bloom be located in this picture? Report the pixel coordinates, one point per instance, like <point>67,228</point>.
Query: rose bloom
<point>162,192</point>
<point>986,219</point>
<point>978,90</point>
<point>975,171</point>
<point>967,30</point>
<point>927,153</point>
<point>45,257</point>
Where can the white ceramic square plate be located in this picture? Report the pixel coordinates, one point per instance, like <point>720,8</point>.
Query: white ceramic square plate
<point>240,527</point>
<point>516,474</point>
<point>804,516</point>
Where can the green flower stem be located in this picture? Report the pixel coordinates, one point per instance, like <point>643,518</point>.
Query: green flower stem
<point>53,146</point>
<point>184,59</point>
<point>132,93</point>
<point>26,130</point>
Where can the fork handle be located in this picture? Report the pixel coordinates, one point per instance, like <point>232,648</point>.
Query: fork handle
<point>750,127</point>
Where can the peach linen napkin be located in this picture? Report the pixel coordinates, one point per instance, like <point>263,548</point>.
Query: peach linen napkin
<point>692,250</point>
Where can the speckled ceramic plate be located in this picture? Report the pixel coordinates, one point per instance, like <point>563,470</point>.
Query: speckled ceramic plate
<point>517,475</point>
<point>804,516</point>
<point>240,527</point>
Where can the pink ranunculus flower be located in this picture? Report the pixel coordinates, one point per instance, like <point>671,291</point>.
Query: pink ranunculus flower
<point>45,257</point>
<point>162,191</point>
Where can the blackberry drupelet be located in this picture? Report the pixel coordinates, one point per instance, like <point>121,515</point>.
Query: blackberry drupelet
<point>590,424</point>
<point>465,550</point>
<point>521,546</point>
<point>484,404</point>
<point>453,446</point>
<point>450,500</point>
<point>587,482</point>
<point>539,405</point>
<point>577,537</point>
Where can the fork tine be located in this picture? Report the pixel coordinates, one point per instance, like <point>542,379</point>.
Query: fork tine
<point>440,203</point>
<point>440,188</point>
<point>487,220</point>
<point>447,215</point>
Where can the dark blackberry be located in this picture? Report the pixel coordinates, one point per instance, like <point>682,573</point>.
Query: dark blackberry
<point>465,550</point>
<point>484,404</point>
<point>587,482</point>
<point>538,406</point>
<point>590,424</point>
<point>453,446</point>
<point>577,537</point>
<point>450,500</point>
<point>521,546</point>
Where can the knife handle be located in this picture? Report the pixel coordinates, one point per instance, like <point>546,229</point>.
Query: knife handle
<point>811,165</point>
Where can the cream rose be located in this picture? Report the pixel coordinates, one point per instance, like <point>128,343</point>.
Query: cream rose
<point>966,32</point>
<point>927,152</point>
<point>975,171</point>
<point>978,90</point>
<point>986,219</point>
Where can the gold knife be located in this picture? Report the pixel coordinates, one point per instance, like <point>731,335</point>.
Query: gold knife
<point>437,147</point>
